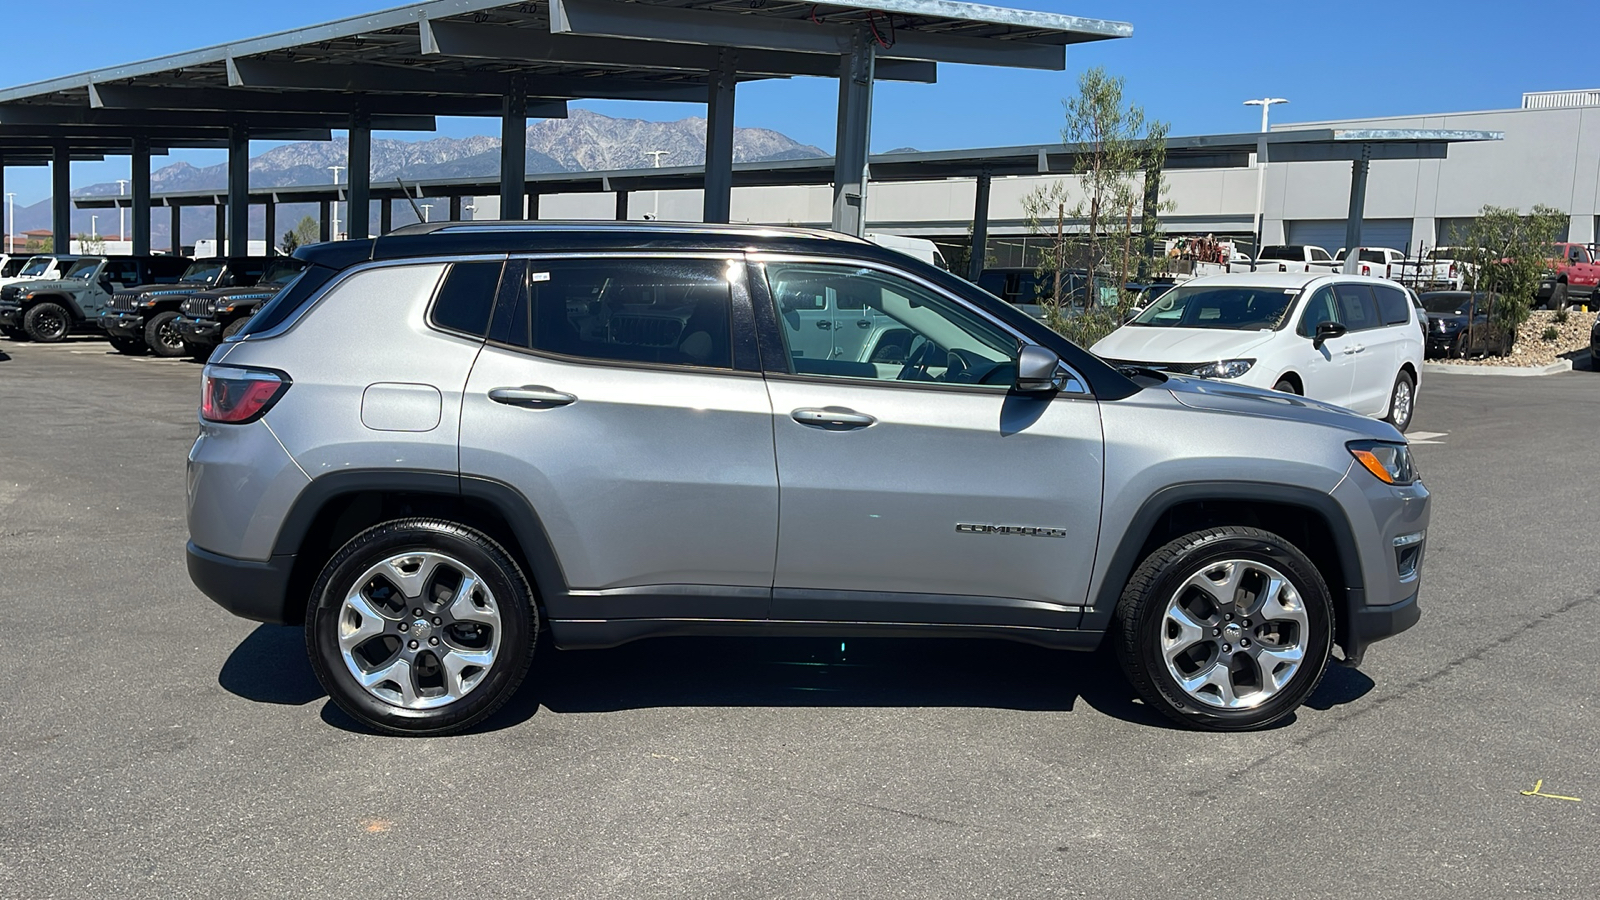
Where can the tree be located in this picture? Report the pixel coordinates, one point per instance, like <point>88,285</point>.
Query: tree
<point>93,245</point>
<point>306,231</point>
<point>1506,253</point>
<point>1113,209</point>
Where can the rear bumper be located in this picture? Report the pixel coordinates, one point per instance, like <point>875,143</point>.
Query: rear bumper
<point>246,588</point>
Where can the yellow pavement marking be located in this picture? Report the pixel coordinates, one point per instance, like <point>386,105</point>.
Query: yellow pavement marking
<point>1537,792</point>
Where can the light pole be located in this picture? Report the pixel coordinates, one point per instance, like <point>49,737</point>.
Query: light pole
<point>122,185</point>
<point>11,223</point>
<point>334,206</point>
<point>425,207</point>
<point>1266,104</point>
<point>94,227</point>
<point>656,155</point>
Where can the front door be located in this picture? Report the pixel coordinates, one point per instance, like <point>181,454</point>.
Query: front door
<point>915,485</point>
<point>622,396</point>
<point>1326,370</point>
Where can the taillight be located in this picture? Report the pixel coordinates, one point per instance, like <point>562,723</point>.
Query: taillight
<point>1366,270</point>
<point>1452,270</point>
<point>235,396</point>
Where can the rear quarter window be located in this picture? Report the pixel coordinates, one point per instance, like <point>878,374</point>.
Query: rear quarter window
<point>1394,308</point>
<point>465,302</point>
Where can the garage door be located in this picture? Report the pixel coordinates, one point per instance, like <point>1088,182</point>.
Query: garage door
<point>1329,233</point>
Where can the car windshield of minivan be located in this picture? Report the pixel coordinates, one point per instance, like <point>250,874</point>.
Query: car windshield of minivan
<point>1229,308</point>
<point>82,270</point>
<point>37,266</point>
<point>202,271</point>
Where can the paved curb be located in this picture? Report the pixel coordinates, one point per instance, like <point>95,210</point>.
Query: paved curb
<point>1564,365</point>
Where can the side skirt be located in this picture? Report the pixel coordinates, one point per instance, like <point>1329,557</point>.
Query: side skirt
<point>594,634</point>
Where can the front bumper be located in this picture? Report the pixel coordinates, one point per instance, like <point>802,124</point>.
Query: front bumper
<point>1389,524</point>
<point>199,331</point>
<point>11,315</point>
<point>122,324</point>
<point>246,588</point>
<point>1440,342</point>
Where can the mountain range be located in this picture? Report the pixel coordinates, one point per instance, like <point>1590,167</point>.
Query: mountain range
<point>585,141</point>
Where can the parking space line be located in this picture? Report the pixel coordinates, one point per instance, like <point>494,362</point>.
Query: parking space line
<point>1426,437</point>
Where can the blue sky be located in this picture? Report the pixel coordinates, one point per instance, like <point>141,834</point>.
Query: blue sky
<point>1188,63</point>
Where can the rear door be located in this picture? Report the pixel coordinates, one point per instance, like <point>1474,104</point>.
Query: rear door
<point>910,481</point>
<point>622,396</point>
<point>1373,357</point>
<point>1397,340</point>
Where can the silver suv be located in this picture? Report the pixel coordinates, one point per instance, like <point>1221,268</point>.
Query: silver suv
<point>433,446</point>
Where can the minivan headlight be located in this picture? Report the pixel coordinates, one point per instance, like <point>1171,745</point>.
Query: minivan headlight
<point>1226,368</point>
<point>1391,463</point>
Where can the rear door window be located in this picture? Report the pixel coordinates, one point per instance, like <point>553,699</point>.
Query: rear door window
<point>1394,307</point>
<point>1357,310</point>
<point>653,311</point>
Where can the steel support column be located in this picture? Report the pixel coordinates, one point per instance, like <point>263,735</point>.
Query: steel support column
<point>269,215</point>
<point>176,239</point>
<point>238,190</point>
<point>622,206</point>
<point>1358,210</point>
<point>455,207</point>
<point>220,232</point>
<point>980,228</point>
<point>5,218</point>
<point>359,210</point>
<point>139,173</point>
<point>324,221</point>
<point>854,135</point>
<point>61,198</point>
<point>513,153</point>
<point>719,139</point>
<point>385,216</point>
<point>533,204</point>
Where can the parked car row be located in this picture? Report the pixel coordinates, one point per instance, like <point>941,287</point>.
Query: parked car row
<point>165,305</point>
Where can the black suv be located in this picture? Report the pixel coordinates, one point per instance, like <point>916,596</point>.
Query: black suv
<point>208,317</point>
<point>142,319</point>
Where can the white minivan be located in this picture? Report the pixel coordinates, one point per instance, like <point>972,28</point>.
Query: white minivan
<point>1345,339</point>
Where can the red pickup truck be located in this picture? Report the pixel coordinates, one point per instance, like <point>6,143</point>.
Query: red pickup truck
<point>1573,276</point>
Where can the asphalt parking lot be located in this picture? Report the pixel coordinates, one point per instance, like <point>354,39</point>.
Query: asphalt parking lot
<point>154,746</point>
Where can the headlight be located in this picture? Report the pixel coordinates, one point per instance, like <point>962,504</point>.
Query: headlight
<point>1227,368</point>
<point>1390,463</point>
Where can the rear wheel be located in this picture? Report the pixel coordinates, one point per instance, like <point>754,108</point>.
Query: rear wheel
<point>1402,401</point>
<point>1225,629</point>
<point>1558,296</point>
<point>47,322</point>
<point>161,334</point>
<point>421,626</point>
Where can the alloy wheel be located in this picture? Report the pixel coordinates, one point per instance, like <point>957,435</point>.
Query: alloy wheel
<point>1400,403</point>
<point>419,630</point>
<point>1234,634</point>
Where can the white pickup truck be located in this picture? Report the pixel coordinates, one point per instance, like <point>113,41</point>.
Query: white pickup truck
<point>1289,258</point>
<point>1435,270</point>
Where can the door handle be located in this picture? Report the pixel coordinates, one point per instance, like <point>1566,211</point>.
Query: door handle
<point>863,323</point>
<point>1361,348</point>
<point>824,324</point>
<point>1350,351</point>
<point>832,417</point>
<point>530,395</point>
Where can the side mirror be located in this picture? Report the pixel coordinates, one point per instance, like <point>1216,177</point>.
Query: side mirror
<point>1038,370</point>
<point>1327,331</point>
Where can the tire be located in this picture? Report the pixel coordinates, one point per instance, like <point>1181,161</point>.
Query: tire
<point>16,334</point>
<point>1507,342</point>
<point>198,352</point>
<point>1402,401</point>
<point>1558,296</point>
<point>47,323</point>
<point>1458,347</point>
<point>161,335</point>
<point>1171,629</point>
<point>234,327</point>
<point>129,346</point>
<point>1286,386</point>
<point>374,572</point>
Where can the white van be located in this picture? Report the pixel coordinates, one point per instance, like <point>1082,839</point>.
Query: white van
<point>921,248</point>
<point>1346,339</point>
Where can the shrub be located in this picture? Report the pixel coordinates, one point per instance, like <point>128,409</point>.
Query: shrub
<point>1551,333</point>
<point>1561,316</point>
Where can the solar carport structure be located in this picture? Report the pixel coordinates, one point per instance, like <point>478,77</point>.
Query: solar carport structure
<point>397,69</point>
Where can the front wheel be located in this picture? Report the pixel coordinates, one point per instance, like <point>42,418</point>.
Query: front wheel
<point>1402,401</point>
<point>129,346</point>
<point>161,335</point>
<point>1558,296</point>
<point>421,626</point>
<point>47,322</point>
<point>1285,386</point>
<point>1225,629</point>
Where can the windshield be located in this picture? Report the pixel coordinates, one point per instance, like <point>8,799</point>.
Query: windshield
<point>1225,307</point>
<point>202,271</point>
<point>82,270</point>
<point>1293,252</point>
<point>1452,304</point>
<point>1439,254</point>
<point>38,265</point>
<point>282,271</point>
<point>13,267</point>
